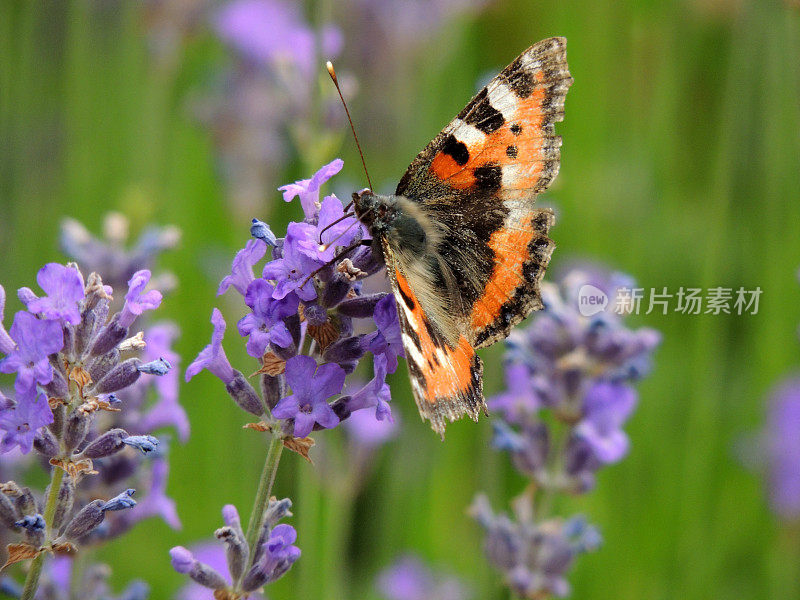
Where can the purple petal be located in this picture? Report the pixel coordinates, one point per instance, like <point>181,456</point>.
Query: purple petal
<point>328,381</point>
<point>242,267</point>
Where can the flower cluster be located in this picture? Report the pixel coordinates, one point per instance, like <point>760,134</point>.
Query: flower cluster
<point>79,378</point>
<point>301,320</point>
<point>111,257</point>
<point>569,393</point>
<point>274,555</point>
<point>410,579</point>
<point>308,325</point>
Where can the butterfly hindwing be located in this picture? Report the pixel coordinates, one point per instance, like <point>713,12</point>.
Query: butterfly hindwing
<point>446,377</point>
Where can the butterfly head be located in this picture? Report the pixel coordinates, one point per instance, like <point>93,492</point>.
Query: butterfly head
<point>374,210</point>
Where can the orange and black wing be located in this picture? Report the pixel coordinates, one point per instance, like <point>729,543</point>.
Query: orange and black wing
<point>446,378</point>
<point>478,180</point>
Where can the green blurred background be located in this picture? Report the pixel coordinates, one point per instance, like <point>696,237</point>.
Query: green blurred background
<point>680,166</point>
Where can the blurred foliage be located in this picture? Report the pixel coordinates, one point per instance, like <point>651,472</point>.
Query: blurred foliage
<point>680,166</point>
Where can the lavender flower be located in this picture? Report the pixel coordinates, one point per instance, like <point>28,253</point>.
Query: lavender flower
<point>64,288</point>
<point>66,369</point>
<point>20,421</point>
<point>579,372</point>
<point>263,326</point>
<point>274,557</point>
<point>308,189</point>
<point>270,31</point>
<point>534,556</point>
<point>111,258</point>
<point>312,385</point>
<point>264,107</point>
<point>297,285</point>
<point>213,357</point>
<point>137,300</point>
<point>35,340</point>
<point>292,270</point>
<point>300,329</point>
<point>387,342</point>
<point>579,368</point>
<point>242,269</point>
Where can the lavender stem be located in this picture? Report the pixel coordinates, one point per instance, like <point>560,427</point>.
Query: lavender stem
<point>256,522</point>
<point>32,580</point>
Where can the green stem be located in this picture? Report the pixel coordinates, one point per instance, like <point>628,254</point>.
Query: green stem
<point>32,580</point>
<point>256,523</point>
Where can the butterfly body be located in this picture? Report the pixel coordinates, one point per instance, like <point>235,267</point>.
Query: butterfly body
<point>464,246</point>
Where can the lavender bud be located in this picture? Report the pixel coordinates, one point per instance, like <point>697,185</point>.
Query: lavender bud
<point>366,260</point>
<point>336,290</point>
<point>45,443</point>
<point>100,366</point>
<point>236,551</point>
<point>8,513</point>
<point>120,377</point>
<point>360,307</point>
<point>26,503</point>
<point>261,231</point>
<point>78,424</point>
<point>244,394</point>
<point>292,323</point>
<point>68,335</point>
<point>34,527</point>
<point>256,577</point>
<point>272,389</point>
<point>91,321</point>
<point>121,501</point>
<point>57,388</point>
<point>158,367</point>
<point>315,314</point>
<point>145,443</point>
<point>277,510</point>
<point>95,294</point>
<point>184,562</point>
<point>66,497</point>
<point>231,517</point>
<point>59,414</point>
<point>108,338</point>
<point>344,351</point>
<point>86,521</point>
<point>107,444</point>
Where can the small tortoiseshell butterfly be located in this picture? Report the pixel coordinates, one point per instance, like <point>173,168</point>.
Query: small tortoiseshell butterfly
<point>463,243</point>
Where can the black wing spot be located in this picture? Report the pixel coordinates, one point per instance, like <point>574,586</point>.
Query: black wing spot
<point>518,79</point>
<point>481,114</point>
<point>489,177</point>
<point>455,149</point>
<point>511,151</point>
<point>516,129</point>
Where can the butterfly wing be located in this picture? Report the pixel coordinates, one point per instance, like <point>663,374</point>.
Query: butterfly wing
<point>478,179</point>
<point>446,376</point>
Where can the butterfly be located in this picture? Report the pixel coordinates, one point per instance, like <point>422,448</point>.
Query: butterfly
<point>464,245</point>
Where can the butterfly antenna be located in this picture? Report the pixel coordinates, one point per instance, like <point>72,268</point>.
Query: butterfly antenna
<point>332,73</point>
